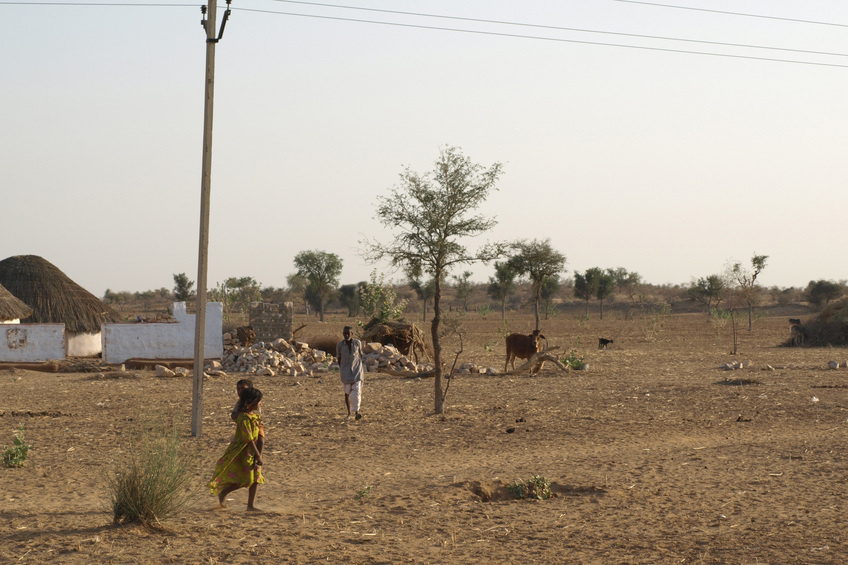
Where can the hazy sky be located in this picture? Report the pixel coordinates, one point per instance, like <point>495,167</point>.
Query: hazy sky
<point>670,164</point>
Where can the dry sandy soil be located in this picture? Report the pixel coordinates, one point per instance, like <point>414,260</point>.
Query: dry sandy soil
<point>655,455</point>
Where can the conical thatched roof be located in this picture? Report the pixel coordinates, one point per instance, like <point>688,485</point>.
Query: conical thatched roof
<point>53,297</point>
<point>12,308</point>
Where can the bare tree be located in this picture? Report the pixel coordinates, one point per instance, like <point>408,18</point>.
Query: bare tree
<point>431,214</point>
<point>746,279</point>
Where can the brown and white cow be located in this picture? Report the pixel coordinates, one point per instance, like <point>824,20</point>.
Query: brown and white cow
<point>522,346</point>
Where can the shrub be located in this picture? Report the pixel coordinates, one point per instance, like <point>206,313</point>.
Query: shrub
<point>16,455</point>
<point>573,360</point>
<point>537,487</point>
<point>152,484</point>
<point>363,494</point>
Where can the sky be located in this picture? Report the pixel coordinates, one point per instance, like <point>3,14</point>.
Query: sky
<point>624,151</point>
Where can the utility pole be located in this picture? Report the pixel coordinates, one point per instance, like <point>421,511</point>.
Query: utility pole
<point>208,24</point>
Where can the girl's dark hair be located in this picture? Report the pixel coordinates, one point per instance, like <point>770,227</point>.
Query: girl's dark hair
<point>245,382</point>
<point>250,396</point>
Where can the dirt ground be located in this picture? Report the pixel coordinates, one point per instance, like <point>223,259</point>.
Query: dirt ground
<point>655,456</point>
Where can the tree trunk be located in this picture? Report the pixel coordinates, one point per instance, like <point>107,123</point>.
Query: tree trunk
<point>750,317</point>
<point>321,310</point>
<point>602,308</point>
<point>503,309</point>
<point>437,346</point>
<point>538,302</point>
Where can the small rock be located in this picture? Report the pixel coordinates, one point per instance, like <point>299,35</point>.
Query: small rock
<point>163,371</point>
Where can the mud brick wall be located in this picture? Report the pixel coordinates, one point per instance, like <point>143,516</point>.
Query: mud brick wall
<point>271,321</point>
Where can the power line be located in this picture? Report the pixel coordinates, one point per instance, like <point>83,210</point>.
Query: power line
<point>733,13</point>
<point>518,36</point>
<point>113,4</point>
<point>559,28</point>
<point>540,38</point>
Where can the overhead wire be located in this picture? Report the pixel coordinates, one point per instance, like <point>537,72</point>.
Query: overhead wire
<point>516,24</point>
<point>796,20</point>
<point>560,28</point>
<point>542,38</point>
<point>110,4</point>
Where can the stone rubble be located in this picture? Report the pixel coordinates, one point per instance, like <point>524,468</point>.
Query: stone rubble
<point>295,358</point>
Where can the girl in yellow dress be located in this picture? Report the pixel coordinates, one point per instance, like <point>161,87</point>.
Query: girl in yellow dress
<point>241,465</point>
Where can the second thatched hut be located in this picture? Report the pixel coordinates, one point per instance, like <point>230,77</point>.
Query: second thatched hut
<point>12,310</point>
<point>54,298</point>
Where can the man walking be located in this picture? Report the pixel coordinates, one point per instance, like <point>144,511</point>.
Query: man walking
<point>349,355</point>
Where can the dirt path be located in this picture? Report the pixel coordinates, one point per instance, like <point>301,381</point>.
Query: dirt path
<point>655,456</point>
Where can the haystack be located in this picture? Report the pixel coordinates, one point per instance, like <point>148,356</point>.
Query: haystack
<point>11,308</point>
<point>406,337</point>
<point>829,327</point>
<point>55,298</point>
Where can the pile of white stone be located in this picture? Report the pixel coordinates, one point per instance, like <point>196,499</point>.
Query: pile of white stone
<point>280,357</point>
<point>378,356</point>
<point>295,358</point>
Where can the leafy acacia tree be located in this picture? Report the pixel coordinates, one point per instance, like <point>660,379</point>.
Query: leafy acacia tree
<point>586,285</point>
<point>539,262</point>
<point>322,271</point>
<point>431,213</point>
<point>502,284</point>
<point>350,296</point>
<point>709,291</point>
<point>821,292</point>
<point>606,286</point>
<point>182,287</point>
<point>746,279</point>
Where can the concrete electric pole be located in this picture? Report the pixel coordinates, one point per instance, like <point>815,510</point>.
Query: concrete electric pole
<point>208,23</point>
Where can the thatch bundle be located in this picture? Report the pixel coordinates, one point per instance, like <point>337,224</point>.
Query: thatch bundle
<point>12,308</point>
<point>53,297</point>
<point>404,336</point>
<point>829,327</point>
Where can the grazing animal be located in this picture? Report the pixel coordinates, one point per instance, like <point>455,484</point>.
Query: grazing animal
<point>522,346</point>
<point>602,343</point>
<point>794,321</point>
<point>797,335</point>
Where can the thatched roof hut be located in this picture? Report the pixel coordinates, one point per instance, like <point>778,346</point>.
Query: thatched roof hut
<point>53,297</point>
<point>12,308</point>
<point>828,328</point>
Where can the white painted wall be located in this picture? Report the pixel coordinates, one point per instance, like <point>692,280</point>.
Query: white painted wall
<point>84,344</point>
<point>122,341</point>
<point>32,343</point>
